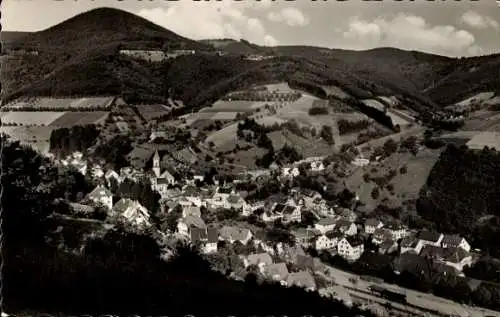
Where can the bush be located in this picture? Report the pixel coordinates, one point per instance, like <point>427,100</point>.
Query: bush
<point>346,126</point>
<point>375,193</point>
<point>315,111</point>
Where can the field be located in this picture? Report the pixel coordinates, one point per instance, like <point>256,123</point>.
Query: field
<point>150,112</point>
<point>304,146</point>
<point>482,120</point>
<point>36,137</point>
<point>489,139</point>
<point>336,92</point>
<point>224,116</point>
<point>70,119</point>
<point>236,105</point>
<point>281,87</point>
<point>477,99</point>
<point>391,101</point>
<point>79,103</point>
<point>406,186</point>
<point>224,135</point>
<point>30,117</point>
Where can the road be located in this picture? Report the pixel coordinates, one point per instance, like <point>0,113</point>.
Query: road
<point>423,300</point>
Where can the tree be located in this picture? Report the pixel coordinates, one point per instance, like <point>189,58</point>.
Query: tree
<point>375,193</point>
<point>326,134</point>
<point>390,146</point>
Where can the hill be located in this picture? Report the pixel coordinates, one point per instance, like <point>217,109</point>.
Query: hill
<point>9,37</point>
<point>73,52</point>
<point>104,26</point>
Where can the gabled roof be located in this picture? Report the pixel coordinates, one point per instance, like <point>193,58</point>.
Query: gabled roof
<point>334,234</point>
<point>279,208</point>
<point>191,211</point>
<point>277,269</point>
<point>354,241</point>
<point>432,252</point>
<point>212,235</point>
<point>123,204</point>
<point>289,210</point>
<point>256,259</point>
<point>372,222</point>
<point>342,223</point>
<point>100,192</point>
<point>452,240</point>
<point>192,221</point>
<point>305,262</point>
<point>429,236</point>
<point>409,242</point>
<point>327,221</point>
<point>198,234</point>
<point>233,199</point>
<point>301,279</point>
<point>234,233</point>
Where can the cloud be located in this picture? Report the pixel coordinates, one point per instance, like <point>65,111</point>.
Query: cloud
<point>290,16</point>
<point>477,21</point>
<point>409,32</point>
<point>206,20</point>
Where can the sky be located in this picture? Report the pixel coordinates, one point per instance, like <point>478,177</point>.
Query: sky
<point>445,27</point>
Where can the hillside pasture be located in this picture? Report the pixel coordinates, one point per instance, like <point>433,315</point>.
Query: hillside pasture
<point>235,105</point>
<point>36,118</point>
<point>70,119</point>
<point>269,120</point>
<point>304,146</point>
<point>281,87</point>
<point>224,116</point>
<point>151,112</point>
<point>482,120</point>
<point>36,137</point>
<point>336,92</point>
<point>221,137</point>
<point>477,99</point>
<point>483,139</point>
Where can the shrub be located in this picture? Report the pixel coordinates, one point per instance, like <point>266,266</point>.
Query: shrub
<point>314,111</point>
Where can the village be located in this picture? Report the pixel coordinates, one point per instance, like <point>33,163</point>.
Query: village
<point>279,238</point>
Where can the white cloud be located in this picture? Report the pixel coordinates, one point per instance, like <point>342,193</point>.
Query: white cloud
<point>477,21</point>
<point>206,20</point>
<point>409,32</point>
<point>290,16</point>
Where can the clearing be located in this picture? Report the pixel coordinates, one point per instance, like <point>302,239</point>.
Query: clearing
<point>30,117</point>
<point>70,119</point>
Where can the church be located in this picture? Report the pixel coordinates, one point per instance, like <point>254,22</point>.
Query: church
<point>160,181</point>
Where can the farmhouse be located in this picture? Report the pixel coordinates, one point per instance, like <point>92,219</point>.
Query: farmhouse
<point>350,248</point>
<point>186,224</point>
<point>233,234</point>
<point>328,240</point>
<point>325,225</point>
<point>133,211</point>
<point>372,224</point>
<point>101,195</point>
<point>455,241</point>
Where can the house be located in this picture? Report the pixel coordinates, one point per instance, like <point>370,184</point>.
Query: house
<point>96,172</point>
<point>205,238</point>
<point>346,227</point>
<point>455,241</point>
<point>277,272</point>
<point>292,214</point>
<point>430,238</point>
<point>233,234</point>
<point>133,211</point>
<point>236,201</point>
<point>388,247</point>
<point>101,195</point>
<point>191,211</point>
<point>411,245</point>
<point>457,258</point>
<point>372,224</point>
<point>348,214</point>
<point>160,181</point>
<point>397,231</point>
<point>381,235</point>
<point>261,260</point>
<point>306,262</point>
<point>328,240</point>
<point>325,225</point>
<point>290,171</point>
<point>350,248</point>
<point>302,279</point>
<point>185,225</point>
<point>317,166</point>
<point>112,176</point>
<point>305,236</point>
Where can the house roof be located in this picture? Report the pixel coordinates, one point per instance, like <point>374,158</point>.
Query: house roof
<point>123,204</point>
<point>372,222</point>
<point>256,259</point>
<point>277,269</point>
<point>279,208</point>
<point>212,235</point>
<point>429,236</point>
<point>411,262</point>
<point>455,255</point>
<point>327,221</point>
<point>387,244</point>
<point>233,199</point>
<point>432,252</point>
<point>192,221</point>
<point>191,211</point>
<point>333,234</point>
<point>301,279</point>
<point>304,262</point>
<point>81,208</point>
<point>100,192</point>
<point>234,233</point>
<point>452,240</point>
<point>288,210</point>
<point>343,223</point>
<point>354,241</point>
<point>409,242</point>
<point>198,234</point>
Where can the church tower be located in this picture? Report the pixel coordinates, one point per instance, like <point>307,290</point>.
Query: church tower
<point>156,164</point>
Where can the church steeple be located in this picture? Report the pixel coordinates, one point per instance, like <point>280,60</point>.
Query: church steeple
<point>156,164</point>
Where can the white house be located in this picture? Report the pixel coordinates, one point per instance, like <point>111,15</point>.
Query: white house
<point>346,227</point>
<point>101,195</point>
<point>372,224</point>
<point>292,214</point>
<point>325,225</point>
<point>233,234</point>
<point>205,238</point>
<point>455,241</point>
<point>317,166</point>
<point>277,272</point>
<point>133,211</point>
<point>191,211</point>
<point>328,240</point>
<point>260,260</point>
<point>112,175</point>
<point>290,171</point>
<point>184,225</point>
<point>397,231</point>
<point>350,248</point>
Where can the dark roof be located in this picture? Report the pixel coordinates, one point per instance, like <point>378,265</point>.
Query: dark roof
<point>429,236</point>
<point>409,242</point>
<point>162,181</point>
<point>354,241</point>
<point>343,223</point>
<point>305,262</point>
<point>279,208</point>
<point>333,234</point>
<point>372,222</point>
<point>432,252</point>
<point>212,235</point>
<point>289,210</point>
<point>452,240</point>
<point>198,234</point>
<point>411,262</point>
